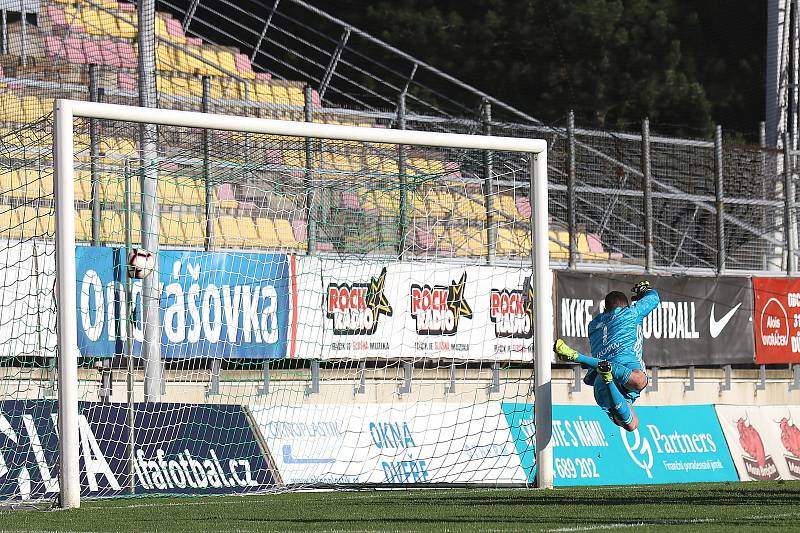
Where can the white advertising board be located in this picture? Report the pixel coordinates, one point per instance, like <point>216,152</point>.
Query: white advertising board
<point>390,443</point>
<point>764,440</point>
<point>414,310</point>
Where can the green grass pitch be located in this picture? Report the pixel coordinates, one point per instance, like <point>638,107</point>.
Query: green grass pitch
<point>762,506</point>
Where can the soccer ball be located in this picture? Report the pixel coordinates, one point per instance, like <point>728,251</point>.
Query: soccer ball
<point>140,263</point>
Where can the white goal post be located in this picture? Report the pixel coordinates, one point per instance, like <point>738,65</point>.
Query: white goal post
<point>65,111</point>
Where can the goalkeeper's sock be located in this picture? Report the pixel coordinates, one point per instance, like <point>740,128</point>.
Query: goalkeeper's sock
<point>587,360</point>
<point>622,409</point>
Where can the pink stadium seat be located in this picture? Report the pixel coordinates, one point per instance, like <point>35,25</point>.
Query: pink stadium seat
<point>126,82</point>
<point>108,51</point>
<point>194,41</point>
<point>127,57</point>
<point>58,17</point>
<point>243,63</point>
<point>91,50</point>
<point>274,157</point>
<point>53,46</point>
<point>523,206</point>
<point>424,239</point>
<point>315,99</point>
<point>594,243</point>
<point>128,8</point>
<point>452,168</point>
<point>350,200</point>
<point>263,76</point>
<point>74,50</point>
<point>225,192</point>
<point>174,28</point>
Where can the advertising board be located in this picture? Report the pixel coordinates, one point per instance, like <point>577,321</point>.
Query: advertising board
<point>776,320</point>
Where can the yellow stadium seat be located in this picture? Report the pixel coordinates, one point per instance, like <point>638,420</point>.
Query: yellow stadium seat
<point>285,234</point>
<point>83,225</point>
<point>267,237</point>
<point>8,222</point>
<point>294,158</point>
<point>112,226</point>
<point>193,228</point>
<point>6,182</point>
<point>227,232</point>
<point>440,204</point>
<point>467,208</point>
<point>34,222</point>
<point>296,96</point>
<point>387,166</point>
<point>387,202</point>
<point>32,109</point>
<point>33,184</point>
<point>10,108</point>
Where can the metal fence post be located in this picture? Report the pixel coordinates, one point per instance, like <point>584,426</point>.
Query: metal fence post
<point>647,196</point>
<point>572,221</point>
<point>401,170</point>
<point>719,200</point>
<point>762,143</point>
<point>311,214</point>
<point>488,192</point>
<point>788,208</point>
<point>94,151</point>
<point>209,189</point>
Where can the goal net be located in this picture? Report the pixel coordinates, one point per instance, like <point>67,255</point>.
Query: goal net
<point>326,306</point>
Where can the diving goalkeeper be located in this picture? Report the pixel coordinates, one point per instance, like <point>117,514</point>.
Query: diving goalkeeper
<point>616,368</point>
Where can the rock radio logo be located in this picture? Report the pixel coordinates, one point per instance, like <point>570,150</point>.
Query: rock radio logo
<point>790,438</point>
<point>758,464</point>
<point>511,312</point>
<point>356,307</point>
<point>437,310</point>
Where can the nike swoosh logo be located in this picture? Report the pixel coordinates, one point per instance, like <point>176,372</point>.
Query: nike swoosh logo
<point>716,326</point>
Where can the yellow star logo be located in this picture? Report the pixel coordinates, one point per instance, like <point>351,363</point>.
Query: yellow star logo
<point>456,302</point>
<point>376,300</point>
<point>528,288</point>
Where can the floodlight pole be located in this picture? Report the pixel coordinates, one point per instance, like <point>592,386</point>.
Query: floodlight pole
<point>66,287</point>
<point>543,310</point>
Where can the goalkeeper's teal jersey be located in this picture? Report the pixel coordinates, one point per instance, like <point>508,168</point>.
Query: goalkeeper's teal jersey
<point>616,336</point>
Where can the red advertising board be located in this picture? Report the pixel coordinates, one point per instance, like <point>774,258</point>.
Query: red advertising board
<point>777,320</point>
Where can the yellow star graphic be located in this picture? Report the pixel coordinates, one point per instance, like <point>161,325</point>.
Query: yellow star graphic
<point>376,300</point>
<point>456,302</point>
<point>529,299</point>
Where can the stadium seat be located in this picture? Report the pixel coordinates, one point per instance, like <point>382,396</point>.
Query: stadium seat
<point>285,234</point>
<point>6,182</point>
<point>83,225</point>
<point>10,108</point>
<point>267,237</point>
<point>228,233</point>
<point>112,226</point>
<point>192,228</point>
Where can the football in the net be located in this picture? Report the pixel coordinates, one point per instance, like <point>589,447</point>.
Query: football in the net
<point>140,263</point>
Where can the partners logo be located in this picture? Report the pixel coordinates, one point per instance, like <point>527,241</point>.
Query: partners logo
<point>639,450</point>
<point>757,463</point>
<point>774,324</point>
<point>355,308</point>
<point>511,311</point>
<point>438,310</point>
<point>790,438</point>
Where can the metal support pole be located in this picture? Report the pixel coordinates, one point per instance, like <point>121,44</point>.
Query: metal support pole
<point>543,315</point>
<point>187,20</point>
<point>130,317</point>
<point>795,383</point>
<point>689,387</point>
<point>314,388</point>
<point>151,323</point>
<point>789,216</point>
<point>572,221</point>
<point>762,143</point>
<point>762,378</point>
<point>652,384</point>
<point>719,200</point>
<point>361,388</point>
<point>64,185</point>
<point>408,370</point>
<point>94,151</point>
<point>311,213</point>
<point>726,384</point>
<point>264,31</point>
<point>450,388</point>
<point>577,379</point>
<point>24,32</point>
<point>5,31</point>
<point>213,389</point>
<point>263,390</point>
<point>488,190</point>
<point>495,385</point>
<point>337,54</point>
<point>209,189</point>
<point>106,380</point>
<point>401,170</point>
<point>647,196</point>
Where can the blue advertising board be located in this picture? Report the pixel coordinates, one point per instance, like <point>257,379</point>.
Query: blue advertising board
<point>673,444</point>
<point>179,449</point>
<point>212,304</point>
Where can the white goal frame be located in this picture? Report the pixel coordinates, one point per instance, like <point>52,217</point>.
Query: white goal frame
<point>63,152</point>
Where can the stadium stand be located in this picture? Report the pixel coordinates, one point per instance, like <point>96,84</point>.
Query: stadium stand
<point>70,35</point>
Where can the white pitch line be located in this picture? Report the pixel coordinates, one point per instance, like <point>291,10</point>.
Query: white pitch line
<point>625,525</point>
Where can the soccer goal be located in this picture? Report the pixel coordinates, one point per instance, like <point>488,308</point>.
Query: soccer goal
<point>245,304</point>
